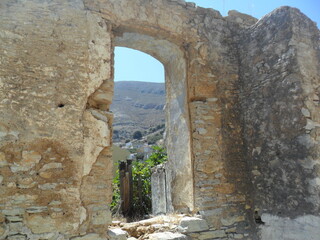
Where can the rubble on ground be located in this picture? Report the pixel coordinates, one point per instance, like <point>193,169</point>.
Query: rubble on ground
<point>164,227</point>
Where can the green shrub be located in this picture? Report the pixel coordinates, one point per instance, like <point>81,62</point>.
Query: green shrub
<point>154,138</point>
<point>141,174</point>
<point>137,135</point>
<point>132,150</point>
<point>140,156</point>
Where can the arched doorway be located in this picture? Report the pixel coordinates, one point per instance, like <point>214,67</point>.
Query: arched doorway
<point>178,140</point>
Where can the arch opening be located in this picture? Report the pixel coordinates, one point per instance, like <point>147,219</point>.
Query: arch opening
<point>139,94</point>
<point>179,168</point>
<point>138,132</point>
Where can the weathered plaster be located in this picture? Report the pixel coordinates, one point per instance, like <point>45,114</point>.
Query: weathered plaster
<point>303,227</point>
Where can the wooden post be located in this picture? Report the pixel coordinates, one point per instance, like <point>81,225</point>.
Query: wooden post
<point>125,169</point>
<point>140,195</point>
<point>130,187</point>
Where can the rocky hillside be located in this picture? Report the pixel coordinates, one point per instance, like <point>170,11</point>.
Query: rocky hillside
<point>137,106</point>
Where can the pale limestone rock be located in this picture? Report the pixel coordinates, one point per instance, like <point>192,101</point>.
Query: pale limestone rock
<point>238,236</point>
<point>305,112</point>
<point>25,183</point>
<point>17,168</point>
<point>53,165</point>
<point>47,186</point>
<point>83,214</point>
<point>167,236</point>
<point>256,172</point>
<point>202,131</point>
<point>54,202</point>
<point>95,140</point>
<point>90,236</point>
<point>2,230</point>
<point>311,124</point>
<point>231,220</point>
<point>11,185</point>
<point>27,186</point>
<point>101,217</point>
<point>117,234</point>
<point>39,224</point>
<point>37,209</point>
<point>99,52</point>
<point>212,234</point>
<point>16,227</point>
<point>304,227</point>
<point>17,237</point>
<point>13,212</point>
<point>46,175</point>
<point>193,224</point>
<point>3,161</point>
<point>241,18</point>
<point>30,158</point>
<point>28,161</point>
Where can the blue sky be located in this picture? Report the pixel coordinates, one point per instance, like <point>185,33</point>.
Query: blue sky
<point>132,65</point>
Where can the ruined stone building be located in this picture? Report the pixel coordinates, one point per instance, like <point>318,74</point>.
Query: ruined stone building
<point>242,110</point>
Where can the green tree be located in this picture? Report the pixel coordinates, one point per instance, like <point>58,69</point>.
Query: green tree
<point>137,135</point>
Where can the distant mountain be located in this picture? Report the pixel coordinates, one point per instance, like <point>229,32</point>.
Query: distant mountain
<point>137,106</point>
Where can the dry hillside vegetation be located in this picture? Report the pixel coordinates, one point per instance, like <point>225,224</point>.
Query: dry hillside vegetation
<point>137,106</point>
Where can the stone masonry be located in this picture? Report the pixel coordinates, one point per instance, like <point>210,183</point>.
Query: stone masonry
<point>242,114</point>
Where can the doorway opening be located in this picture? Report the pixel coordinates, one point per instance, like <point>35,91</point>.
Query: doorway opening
<point>138,130</point>
<point>179,180</point>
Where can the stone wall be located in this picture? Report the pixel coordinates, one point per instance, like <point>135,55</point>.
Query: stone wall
<point>242,116</point>
<point>280,79</point>
<point>53,139</point>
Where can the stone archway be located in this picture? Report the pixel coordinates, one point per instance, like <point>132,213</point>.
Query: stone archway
<point>178,140</point>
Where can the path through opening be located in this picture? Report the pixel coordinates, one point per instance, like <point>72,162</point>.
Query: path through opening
<point>179,171</point>
<point>138,130</point>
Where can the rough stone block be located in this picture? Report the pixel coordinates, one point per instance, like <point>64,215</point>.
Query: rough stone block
<point>212,235</point>
<point>117,234</point>
<point>231,220</point>
<point>158,186</point>
<point>193,224</point>
<point>48,166</point>
<point>167,236</point>
<point>91,236</point>
<point>101,217</point>
<point>3,161</point>
<point>17,237</point>
<point>2,230</point>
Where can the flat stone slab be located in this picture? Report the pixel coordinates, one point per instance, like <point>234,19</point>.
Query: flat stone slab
<point>167,236</point>
<point>117,234</point>
<point>193,224</point>
<point>90,236</point>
